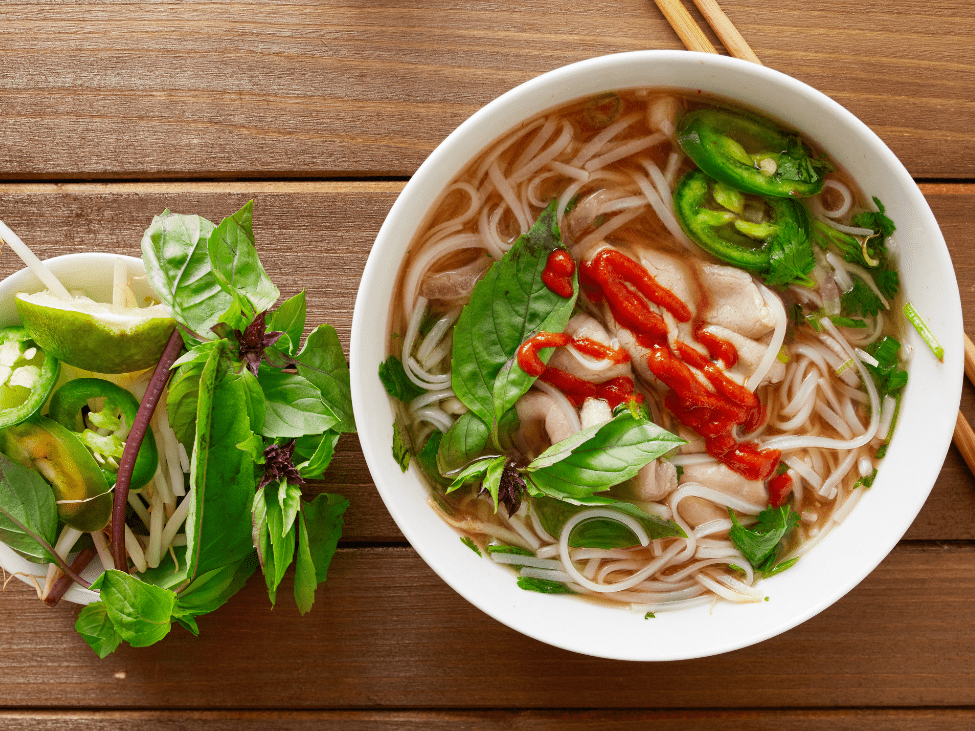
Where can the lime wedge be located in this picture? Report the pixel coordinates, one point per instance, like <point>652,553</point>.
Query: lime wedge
<point>96,336</point>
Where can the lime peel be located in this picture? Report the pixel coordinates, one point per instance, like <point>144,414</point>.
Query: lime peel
<point>96,336</point>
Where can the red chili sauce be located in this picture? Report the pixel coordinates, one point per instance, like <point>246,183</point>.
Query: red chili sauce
<point>616,390</point>
<point>557,275</point>
<point>627,287</point>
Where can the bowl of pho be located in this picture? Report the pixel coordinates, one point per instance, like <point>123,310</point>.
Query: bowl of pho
<point>663,335</point>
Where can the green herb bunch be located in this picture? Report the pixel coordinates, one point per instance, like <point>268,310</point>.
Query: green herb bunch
<point>258,411</point>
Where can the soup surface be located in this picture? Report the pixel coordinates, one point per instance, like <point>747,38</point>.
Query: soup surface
<point>643,350</point>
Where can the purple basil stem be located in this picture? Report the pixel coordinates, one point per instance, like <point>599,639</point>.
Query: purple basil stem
<point>64,583</point>
<point>134,440</point>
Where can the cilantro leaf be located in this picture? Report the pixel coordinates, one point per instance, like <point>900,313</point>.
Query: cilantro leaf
<point>795,163</point>
<point>888,282</point>
<point>875,220</point>
<point>760,544</point>
<point>791,258</point>
<point>860,300</point>
<point>396,382</point>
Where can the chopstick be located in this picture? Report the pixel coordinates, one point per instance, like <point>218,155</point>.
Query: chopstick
<point>695,40</point>
<point>964,435</point>
<point>692,35</point>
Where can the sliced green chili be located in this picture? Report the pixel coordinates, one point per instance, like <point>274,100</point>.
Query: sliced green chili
<point>110,410</point>
<point>751,154</point>
<point>27,376</point>
<point>722,232</point>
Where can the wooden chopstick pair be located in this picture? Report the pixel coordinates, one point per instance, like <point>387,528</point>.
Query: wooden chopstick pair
<point>695,40</point>
<point>692,35</point>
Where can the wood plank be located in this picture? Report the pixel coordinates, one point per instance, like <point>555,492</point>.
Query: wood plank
<point>388,633</point>
<point>296,222</point>
<point>120,89</point>
<point>513,720</point>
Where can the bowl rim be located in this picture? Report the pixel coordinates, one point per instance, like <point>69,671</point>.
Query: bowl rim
<point>390,246</point>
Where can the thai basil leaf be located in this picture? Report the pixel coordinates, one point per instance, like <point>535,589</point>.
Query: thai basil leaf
<point>282,543</point>
<point>600,456</point>
<point>426,458</point>
<point>601,532</point>
<point>26,506</point>
<point>262,536</point>
<point>313,453</point>
<point>289,318</point>
<point>213,589</point>
<point>492,478</point>
<point>461,443</point>
<point>181,403</point>
<point>218,529</point>
<point>760,543</point>
<point>289,498</point>
<point>323,518</point>
<point>175,253</point>
<point>305,577</point>
<point>256,403</point>
<point>236,267</point>
<point>322,362</point>
<point>474,470</point>
<point>509,305</point>
<point>140,613</point>
<point>97,629</point>
<point>292,405</point>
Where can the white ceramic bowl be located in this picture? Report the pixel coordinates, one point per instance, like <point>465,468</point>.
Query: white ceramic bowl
<point>851,550</point>
<point>93,274</point>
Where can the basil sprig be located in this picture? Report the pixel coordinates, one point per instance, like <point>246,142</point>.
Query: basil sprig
<point>255,433</point>
<point>509,305</point>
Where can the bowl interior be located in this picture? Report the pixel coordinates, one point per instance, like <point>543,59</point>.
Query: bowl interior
<point>92,273</point>
<point>851,550</point>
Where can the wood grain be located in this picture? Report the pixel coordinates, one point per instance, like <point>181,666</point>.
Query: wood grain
<point>499,720</point>
<point>114,89</point>
<point>388,633</point>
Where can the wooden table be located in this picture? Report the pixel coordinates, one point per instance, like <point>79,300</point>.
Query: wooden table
<point>320,110</point>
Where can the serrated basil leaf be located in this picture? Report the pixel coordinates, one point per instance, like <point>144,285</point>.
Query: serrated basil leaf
<point>292,405</point>
<point>601,456</point>
<point>601,532</point>
<point>27,505</point>
<point>140,613</point>
<point>97,629</point>
<point>174,250</point>
<point>218,526</point>
<point>508,305</point>
<point>322,361</point>
<point>236,266</point>
<point>289,318</point>
<point>461,443</point>
<point>260,535</point>
<point>323,519</point>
